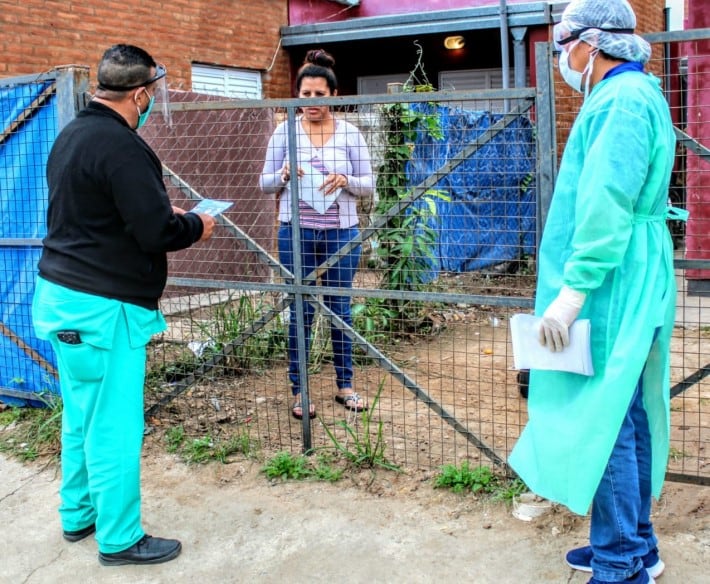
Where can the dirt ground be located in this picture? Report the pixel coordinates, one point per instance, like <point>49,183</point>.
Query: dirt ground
<point>237,527</point>
<point>464,367</point>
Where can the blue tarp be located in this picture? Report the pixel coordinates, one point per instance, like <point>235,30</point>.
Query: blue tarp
<point>490,218</point>
<point>23,205</point>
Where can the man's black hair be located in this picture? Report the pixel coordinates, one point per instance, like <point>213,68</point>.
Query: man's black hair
<point>124,67</point>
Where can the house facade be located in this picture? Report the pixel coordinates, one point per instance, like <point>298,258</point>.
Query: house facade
<point>250,48</point>
<point>373,42</point>
<point>233,46</point>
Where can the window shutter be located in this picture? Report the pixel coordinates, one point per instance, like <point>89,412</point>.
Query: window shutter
<point>226,82</point>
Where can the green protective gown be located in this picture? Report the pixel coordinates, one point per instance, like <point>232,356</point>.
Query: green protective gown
<point>606,236</point>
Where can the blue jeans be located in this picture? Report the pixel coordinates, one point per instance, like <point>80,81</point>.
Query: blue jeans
<point>317,245</point>
<point>621,531</point>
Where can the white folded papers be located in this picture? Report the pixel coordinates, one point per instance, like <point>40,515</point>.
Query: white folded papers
<point>309,188</point>
<point>211,207</point>
<point>528,353</point>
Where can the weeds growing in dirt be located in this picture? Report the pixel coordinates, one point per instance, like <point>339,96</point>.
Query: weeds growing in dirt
<point>464,478</point>
<point>207,449</point>
<point>509,489</point>
<point>479,479</point>
<point>231,319</point>
<point>364,450</point>
<point>286,466</point>
<point>30,433</point>
<point>175,437</point>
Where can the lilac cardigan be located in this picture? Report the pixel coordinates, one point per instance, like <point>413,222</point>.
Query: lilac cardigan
<point>345,153</point>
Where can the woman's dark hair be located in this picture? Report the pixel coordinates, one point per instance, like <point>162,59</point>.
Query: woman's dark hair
<point>318,63</point>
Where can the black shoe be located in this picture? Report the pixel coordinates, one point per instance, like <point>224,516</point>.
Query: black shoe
<point>79,534</point>
<point>149,550</point>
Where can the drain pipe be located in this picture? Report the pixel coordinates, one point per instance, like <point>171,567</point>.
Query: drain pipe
<point>504,50</point>
<point>667,55</point>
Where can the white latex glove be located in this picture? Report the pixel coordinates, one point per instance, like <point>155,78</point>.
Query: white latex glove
<point>559,316</point>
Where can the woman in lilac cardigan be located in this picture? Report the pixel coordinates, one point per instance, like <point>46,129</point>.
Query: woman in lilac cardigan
<point>334,170</point>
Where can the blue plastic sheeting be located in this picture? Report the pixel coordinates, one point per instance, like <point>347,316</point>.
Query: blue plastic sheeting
<point>23,206</point>
<point>490,218</point>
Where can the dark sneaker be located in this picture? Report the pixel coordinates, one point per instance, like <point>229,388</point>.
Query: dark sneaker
<point>640,577</point>
<point>149,550</point>
<point>581,559</point>
<point>79,534</point>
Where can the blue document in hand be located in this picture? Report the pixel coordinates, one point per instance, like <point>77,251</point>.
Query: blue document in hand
<point>211,207</point>
<point>528,353</point>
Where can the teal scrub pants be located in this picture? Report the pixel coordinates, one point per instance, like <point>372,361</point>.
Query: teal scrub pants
<point>101,380</point>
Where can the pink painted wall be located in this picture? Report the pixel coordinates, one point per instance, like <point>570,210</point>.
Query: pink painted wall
<point>317,11</point>
<point>698,126</point>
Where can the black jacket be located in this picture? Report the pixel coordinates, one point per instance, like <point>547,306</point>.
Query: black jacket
<point>109,221</point>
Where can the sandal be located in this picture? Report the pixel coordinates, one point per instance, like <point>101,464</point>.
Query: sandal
<point>351,401</point>
<point>297,410</point>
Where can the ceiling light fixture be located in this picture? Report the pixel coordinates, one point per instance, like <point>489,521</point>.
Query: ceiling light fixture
<point>454,42</point>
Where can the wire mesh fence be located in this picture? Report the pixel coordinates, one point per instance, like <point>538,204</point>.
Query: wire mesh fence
<point>29,114</point>
<point>444,251</point>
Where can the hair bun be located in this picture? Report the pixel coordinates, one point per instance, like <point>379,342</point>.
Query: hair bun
<point>320,57</point>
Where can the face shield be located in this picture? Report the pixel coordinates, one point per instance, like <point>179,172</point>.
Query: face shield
<point>156,87</point>
<point>159,89</point>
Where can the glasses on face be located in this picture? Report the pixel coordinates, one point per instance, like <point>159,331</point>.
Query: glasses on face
<point>562,44</point>
<point>563,36</point>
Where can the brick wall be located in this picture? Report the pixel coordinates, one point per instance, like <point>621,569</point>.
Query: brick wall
<point>40,35</point>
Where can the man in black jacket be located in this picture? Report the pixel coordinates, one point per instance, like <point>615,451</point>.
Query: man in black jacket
<point>102,271</point>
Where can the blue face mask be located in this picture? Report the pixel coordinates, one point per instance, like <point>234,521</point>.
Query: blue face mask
<point>142,117</point>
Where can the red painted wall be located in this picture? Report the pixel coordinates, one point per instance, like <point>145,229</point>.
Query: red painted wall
<point>316,11</point>
<point>698,126</point>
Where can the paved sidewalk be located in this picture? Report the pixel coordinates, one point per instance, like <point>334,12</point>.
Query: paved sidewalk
<point>235,527</point>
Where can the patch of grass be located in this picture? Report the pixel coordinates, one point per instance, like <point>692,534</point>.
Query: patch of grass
<point>209,449</point>
<point>479,480</point>
<point>466,478</point>
<point>32,433</point>
<point>676,455</point>
<point>198,450</point>
<point>9,416</point>
<point>175,437</point>
<point>232,319</point>
<point>365,450</point>
<point>507,490</point>
<point>286,466</point>
<point>324,469</point>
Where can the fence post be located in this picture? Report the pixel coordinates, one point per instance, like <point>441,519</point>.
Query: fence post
<point>72,86</point>
<point>546,135</point>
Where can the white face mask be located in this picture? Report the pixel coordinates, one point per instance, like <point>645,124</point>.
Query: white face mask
<point>574,78</point>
